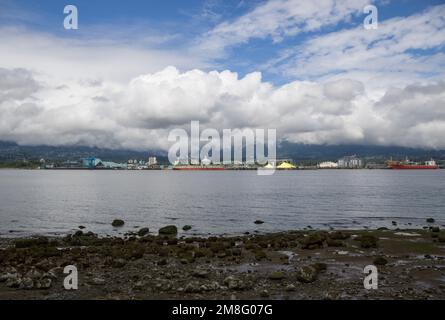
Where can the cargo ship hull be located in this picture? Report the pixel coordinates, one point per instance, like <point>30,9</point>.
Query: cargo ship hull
<point>199,168</point>
<point>412,166</point>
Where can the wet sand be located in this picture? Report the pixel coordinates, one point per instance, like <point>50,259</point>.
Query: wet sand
<point>288,265</point>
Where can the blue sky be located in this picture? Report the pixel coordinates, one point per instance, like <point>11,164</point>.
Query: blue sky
<point>135,69</point>
<point>187,21</point>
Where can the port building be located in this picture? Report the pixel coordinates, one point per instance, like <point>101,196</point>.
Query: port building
<point>350,162</point>
<point>96,163</point>
<point>327,165</point>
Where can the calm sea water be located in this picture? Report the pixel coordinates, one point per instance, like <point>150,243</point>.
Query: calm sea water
<point>57,202</point>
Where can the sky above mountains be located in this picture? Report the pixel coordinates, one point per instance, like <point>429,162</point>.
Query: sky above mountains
<point>134,70</point>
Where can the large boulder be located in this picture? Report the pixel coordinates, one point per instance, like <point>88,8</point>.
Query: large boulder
<point>143,231</point>
<point>117,223</point>
<point>169,230</point>
<point>313,241</point>
<point>234,283</point>
<point>277,275</point>
<point>307,274</point>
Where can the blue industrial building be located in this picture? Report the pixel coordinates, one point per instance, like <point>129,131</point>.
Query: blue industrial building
<point>96,163</point>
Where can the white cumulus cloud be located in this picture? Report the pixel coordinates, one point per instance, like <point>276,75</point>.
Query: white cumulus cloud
<point>139,114</point>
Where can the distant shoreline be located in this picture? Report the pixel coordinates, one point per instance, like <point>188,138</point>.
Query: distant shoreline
<point>227,169</point>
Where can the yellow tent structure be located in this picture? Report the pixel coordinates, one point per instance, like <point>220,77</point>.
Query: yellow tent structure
<point>269,166</point>
<point>286,166</point>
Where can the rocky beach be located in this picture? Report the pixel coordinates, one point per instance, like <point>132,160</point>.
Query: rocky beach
<point>302,264</point>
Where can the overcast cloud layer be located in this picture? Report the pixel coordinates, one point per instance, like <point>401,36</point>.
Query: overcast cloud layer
<point>347,86</point>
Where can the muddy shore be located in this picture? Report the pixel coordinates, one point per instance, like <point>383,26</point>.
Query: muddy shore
<point>287,265</point>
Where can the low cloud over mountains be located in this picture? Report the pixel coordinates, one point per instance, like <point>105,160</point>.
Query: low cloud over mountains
<point>139,114</point>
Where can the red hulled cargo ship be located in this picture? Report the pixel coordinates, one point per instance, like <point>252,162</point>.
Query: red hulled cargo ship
<point>412,165</point>
<point>198,168</point>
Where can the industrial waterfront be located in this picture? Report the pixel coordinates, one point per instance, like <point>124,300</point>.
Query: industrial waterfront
<point>346,162</point>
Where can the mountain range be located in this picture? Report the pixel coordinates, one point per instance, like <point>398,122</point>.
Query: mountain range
<point>10,152</point>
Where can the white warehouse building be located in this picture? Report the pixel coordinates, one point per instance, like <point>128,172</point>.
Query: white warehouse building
<point>327,165</point>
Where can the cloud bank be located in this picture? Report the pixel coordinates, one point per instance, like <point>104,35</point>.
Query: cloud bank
<point>139,114</point>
